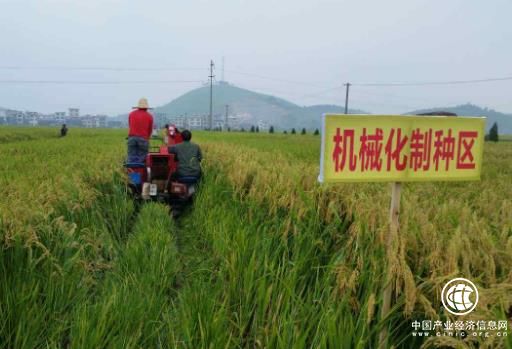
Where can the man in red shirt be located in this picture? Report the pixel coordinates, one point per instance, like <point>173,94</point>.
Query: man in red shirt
<point>140,124</point>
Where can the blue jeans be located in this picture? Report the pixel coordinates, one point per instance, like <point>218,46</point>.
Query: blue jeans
<point>137,149</point>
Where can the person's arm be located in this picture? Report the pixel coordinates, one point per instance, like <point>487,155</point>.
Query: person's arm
<point>199,154</point>
<point>129,123</point>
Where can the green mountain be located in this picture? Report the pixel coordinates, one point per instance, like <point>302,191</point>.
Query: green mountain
<point>504,121</point>
<point>251,106</point>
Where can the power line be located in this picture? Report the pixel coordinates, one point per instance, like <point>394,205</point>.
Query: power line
<point>323,91</point>
<point>365,93</point>
<point>274,79</point>
<point>104,82</point>
<point>376,84</point>
<point>386,104</point>
<point>70,68</point>
<point>121,69</point>
<point>434,83</point>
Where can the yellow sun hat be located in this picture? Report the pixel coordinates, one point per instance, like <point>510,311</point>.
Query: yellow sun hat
<point>143,104</point>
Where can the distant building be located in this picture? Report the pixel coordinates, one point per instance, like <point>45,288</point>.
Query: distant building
<point>59,117</point>
<point>88,121</point>
<point>14,117</point>
<point>218,124</point>
<point>263,125</point>
<point>30,118</point>
<point>233,122</point>
<point>114,124</point>
<point>161,118</point>
<point>180,122</point>
<point>74,112</point>
<point>94,121</point>
<point>101,121</point>
<point>48,121</point>
<point>197,122</point>
<point>76,122</point>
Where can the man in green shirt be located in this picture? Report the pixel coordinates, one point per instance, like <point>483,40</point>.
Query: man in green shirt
<point>188,155</point>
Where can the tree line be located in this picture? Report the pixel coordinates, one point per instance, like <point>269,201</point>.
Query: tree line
<point>491,136</point>
<point>256,129</point>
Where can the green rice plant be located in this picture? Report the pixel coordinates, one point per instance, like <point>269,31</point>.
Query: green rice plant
<point>136,293</point>
<point>465,233</point>
<point>266,258</point>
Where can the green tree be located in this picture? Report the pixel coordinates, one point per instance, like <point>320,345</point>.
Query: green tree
<point>253,129</point>
<point>303,132</point>
<point>257,129</point>
<point>285,132</point>
<point>293,131</point>
<point>316,132</point>
<point>493,133</point>
<point>271,129</point>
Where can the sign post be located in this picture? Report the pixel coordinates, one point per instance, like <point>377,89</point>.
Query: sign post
<point>396,149</point>
<point>391,250</point>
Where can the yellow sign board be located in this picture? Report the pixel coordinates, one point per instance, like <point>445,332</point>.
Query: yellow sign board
<point>391,148</point>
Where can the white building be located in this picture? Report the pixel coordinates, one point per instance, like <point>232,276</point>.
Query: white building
<point>197,122</point>
<point>94,121</point>
<point>59,117</point>
<point>74,112</point>
<point>31,118</point>
<point>101,121</point>
<point>263,125</point>
<point>179,121</point>
<point>14,117</point>
<point>233,122</point>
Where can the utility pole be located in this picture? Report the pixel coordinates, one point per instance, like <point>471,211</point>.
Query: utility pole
<point>226,117</point>
<point>346,97</point>
<point>211,95</point>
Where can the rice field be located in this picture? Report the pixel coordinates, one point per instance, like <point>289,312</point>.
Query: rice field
<point>266,258</point>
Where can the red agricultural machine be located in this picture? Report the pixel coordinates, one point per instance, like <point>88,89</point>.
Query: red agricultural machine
<point>154,180</point>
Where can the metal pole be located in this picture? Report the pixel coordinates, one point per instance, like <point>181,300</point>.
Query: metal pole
<point>346,97</point>
<point>391,251</point>
<point>211,95</point>
<point>226,118</point>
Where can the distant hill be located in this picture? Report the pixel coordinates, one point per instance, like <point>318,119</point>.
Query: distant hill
<point>504,120</point>
<point>251,105</point>
<point>280,113</point>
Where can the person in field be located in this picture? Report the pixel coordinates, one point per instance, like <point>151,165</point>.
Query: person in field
<point>164,133</point>
<point>63,130</point>
<point>140,123</point>
<point>173,135</point>
<point>189,157</point>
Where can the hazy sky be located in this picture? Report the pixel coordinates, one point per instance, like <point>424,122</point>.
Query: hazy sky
<point>295,49</point>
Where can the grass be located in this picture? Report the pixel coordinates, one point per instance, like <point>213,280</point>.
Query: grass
<point>267,258</point>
